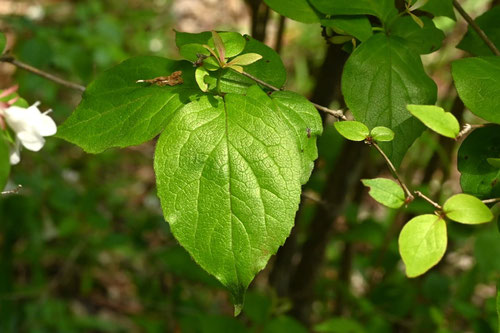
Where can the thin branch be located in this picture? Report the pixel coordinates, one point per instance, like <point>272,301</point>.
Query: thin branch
<point>489,201</point>
<point>48,76</point>
<point>336,113</point>
<point>476,27</point>
<point>468,128</point>
<point>14,191</point>
<point>409,195</point>
<point>429,200</point>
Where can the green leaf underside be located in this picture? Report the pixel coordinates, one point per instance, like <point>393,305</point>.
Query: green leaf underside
<point>4,161</point>
<point>358,26</point>
<point>488,22</point>
<point>423,40</point>
<point>436,119</point>
<point>381,133</point>
<point>478,177</point>
<point>380,78</point>
<point>304,120</point>
<point>478,84</point>
<point>385,191</point>
<point>440,8</point>
<point>465,208</point>
<point>229,179</point>
<point>422,243</point>
<point>383,9</point>
<point>352,130</point>
<point>298,10</point>
<point>118,112</point>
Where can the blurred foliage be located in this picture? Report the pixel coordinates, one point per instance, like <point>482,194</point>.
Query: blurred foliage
<point>84,247</point>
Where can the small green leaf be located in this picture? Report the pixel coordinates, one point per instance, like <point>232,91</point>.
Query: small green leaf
<point>3,42</point>
<point>340,39</point>
<point>465,208</point>
<point>245,59</point>
<point>436,119</point>
<point>191,51</point>
<point>422,243</point>
<point>382,133</point>
<point>4,160</point>
<point>423,40</point>
<point>416,19</point>
<point>494,162</point>
<point>219,46</point>
<point>352,130</point>
<point>385,191</point>
<point>357,25</point>
<point>200,75</point>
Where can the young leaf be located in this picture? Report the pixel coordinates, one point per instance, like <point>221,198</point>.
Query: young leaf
<point>478,177</point>
<point>416,19</point>
<point>233,43</point>
<point>385,191</point>
<point>200,75</point>
<point>228,173</point>
<point>219,46</point>
<point>494,162</point>
<point>3,42</point>
<point>465,208</point>
<point>382,134</point>
<point>4,161</point>
<point>380,78</point>
<point>352,130</point>
<point>422,243</point>
<point>305,122</point>
<point>245,59</point>
<point>478,82</point>
<point>436,119</point>
<point>118,112</point>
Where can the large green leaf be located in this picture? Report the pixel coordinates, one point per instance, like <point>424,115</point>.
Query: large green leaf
<point>304,120</point>
<point>440,8</point>
<point>298,10</point>
<point>380,78</point>
<point>4,160</point>
<point>478,84</point>
<point>357,25</point>
<point>229,179</point>
<point>118,112</point>
<point>488,22</point>
<point>423,40</point>
<point>422,243</point>
<point>383,9</point>
<point>479,177</point>
<point>468,209</point>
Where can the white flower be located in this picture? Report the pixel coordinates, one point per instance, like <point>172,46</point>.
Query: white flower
<point>30,126</point>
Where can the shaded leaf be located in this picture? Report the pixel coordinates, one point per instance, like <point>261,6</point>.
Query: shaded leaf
<point>478,84</point>
<point>436,119</point>
<point>298,10</point>
<point>383,9</point>
<point>478,177</point>
<point>468,209</point>
<point>488,22</point>
<point>358,26</point>
<point>422,243</point>
<point>380,78</point>
<point>423,40</point>
<point>385,191</point>
<point>440,8</point>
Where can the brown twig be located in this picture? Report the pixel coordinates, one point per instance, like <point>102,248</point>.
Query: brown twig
<point>489,201</point>
<point>408,194</point>
<point>336,113</point>
<point>429,200</point>
<point>48,76</point>
<point>476,27</point>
